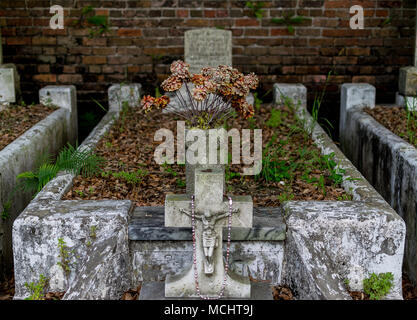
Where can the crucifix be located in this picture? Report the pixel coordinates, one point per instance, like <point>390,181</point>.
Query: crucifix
<point>207,212</point>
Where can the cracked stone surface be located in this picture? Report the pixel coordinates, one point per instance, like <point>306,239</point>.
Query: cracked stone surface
<point>389,163</point>
<point>96,236</point>
<point>328,242</point>
<point>47,136</point>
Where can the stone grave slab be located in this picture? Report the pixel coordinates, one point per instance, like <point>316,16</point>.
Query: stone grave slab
<point>9,84</point>
<point>407,82</point>
<point>154,290</point>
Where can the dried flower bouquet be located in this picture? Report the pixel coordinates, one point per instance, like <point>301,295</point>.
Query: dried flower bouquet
<point>206,99</point>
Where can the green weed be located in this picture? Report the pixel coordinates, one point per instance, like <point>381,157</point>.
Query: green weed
<point>378,286</point>
<point>180,183</point>
<point>37,289</point>
<point>133,178</point>
<point>256,7</point>
<point>289,20</point>
<point>65,255</point>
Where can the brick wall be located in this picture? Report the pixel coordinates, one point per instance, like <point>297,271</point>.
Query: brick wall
<point>140,29</point>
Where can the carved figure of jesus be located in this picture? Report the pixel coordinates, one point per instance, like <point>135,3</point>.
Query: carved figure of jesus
<point>210,237</point>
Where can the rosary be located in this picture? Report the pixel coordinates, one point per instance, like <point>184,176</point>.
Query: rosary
<point>226,267</point>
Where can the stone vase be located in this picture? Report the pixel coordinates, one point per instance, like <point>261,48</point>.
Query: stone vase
<point>190,168</point>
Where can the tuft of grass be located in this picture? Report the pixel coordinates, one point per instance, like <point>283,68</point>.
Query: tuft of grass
<point>169,170</point>
<point>132,178</point>
<point>5,213</point>
<point>180,183</point>
<point>275,119</point>
<point>411,124</point>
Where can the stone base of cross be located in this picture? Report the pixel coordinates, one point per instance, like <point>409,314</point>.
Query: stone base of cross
<point>211,215</point>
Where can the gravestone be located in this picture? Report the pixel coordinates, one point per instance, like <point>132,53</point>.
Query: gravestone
<point>407,82</point>
<point>9,82</point>
<point>211,215</point>
<point>206,47</point>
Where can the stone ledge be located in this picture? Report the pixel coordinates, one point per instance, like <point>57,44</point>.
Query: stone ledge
<point>390,164</point>
<point>48,135</point>
<point>147,224</point>
<point>155,291</point>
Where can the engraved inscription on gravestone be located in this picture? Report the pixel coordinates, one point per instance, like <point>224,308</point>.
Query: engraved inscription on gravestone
<point>207,47</point>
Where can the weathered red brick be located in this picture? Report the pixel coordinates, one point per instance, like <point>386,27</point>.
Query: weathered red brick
<point>44,68</point>
<point>129,32</point>
<point>45,77</point>
<point>182,13</point>
<point>11,41</point>
<point>44,41</point>
<point>94,42</point>
<point>70,78</point>
<point>94,60</point>
<point>247,23</point>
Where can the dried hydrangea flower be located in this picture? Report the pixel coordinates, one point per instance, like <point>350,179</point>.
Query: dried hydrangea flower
<point>210,86</point>
<point>237,103</point>
<point>247,110</point>
<point>221,76</point>
<point>180,69</point>
<point>198,79</point>
<point>225,89</point>
<point>207,72</point>
<point>172,83</point>
<point>240,88</point>
<point>252,81</point>
<point>147,103</point>
<point>228,84</point>
<point>235,75</point>
<point>161,102</point>
<point>199,93</point>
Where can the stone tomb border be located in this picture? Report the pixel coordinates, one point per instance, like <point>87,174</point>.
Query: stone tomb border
<point>312,246</point>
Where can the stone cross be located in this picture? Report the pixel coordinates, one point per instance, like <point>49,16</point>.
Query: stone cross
<point>211,212</point>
